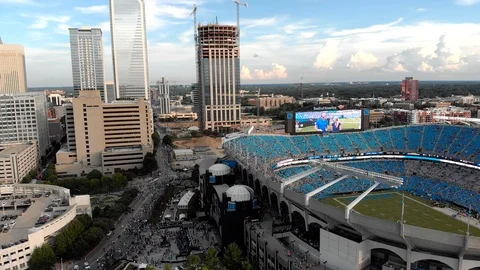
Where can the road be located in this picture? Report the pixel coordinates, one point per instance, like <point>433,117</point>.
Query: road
<point>121,240</point>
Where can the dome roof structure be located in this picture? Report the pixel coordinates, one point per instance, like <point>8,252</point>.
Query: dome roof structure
<point>219,169</point>
<point>240,193</point>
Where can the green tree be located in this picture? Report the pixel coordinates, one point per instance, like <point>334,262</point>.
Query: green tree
<point>168,266</point>
<point>193,262</point>
<point>43,258</point>
<point>150,163</point>
<point>211,259</point>
<point>232,258</point>
<point>150,268</point>
<point>94,174</point>
<point>93,236</point>
<point>96,212</point>
<point>156,139</point>
<point>167,140</point>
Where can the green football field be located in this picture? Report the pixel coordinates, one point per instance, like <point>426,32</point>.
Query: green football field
<point>353,123</point>
<point>388,206</point>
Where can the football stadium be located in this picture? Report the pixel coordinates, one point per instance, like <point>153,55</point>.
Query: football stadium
<point>404,197</point>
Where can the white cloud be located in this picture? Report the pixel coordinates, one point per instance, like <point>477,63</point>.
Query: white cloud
<point>277,72</point>
<point>307,34</point>
<point>421,9</point>
<point>327,55</point>
<point>105,26</point>
<point>467,2</point>
<point>294,27</point>
<point>371,29</point>
<point>262,22</point>
<point>442,59</point>
<point>16,2</point>
<point>245,73</point>
<point>362,60</point>
<point>92,9</point>
<point>42,22</point>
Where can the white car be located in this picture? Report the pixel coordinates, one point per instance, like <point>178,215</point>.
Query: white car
<point>86,266</point>
<point>76,267</point>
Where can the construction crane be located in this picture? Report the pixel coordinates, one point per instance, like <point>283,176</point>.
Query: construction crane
<point>258,108</point>
<point>195,37</point>
<point>238,18</point>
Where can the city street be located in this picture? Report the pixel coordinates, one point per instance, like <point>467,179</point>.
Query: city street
<point>126,241</point>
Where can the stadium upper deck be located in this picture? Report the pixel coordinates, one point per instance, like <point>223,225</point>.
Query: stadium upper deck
<point>453,142</point>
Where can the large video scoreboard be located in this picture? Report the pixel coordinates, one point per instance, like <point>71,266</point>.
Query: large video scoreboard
<point>327,121</point>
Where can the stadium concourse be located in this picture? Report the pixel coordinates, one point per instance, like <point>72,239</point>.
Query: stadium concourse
<point>439,165</point>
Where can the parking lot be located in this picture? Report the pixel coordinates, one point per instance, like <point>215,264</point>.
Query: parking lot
<point>19,213</point>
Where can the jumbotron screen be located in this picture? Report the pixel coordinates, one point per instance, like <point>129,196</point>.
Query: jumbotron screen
<point>328,121</point>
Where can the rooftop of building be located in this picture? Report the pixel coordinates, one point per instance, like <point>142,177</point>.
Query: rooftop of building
<point>31,212</point>
<point>12,149</point>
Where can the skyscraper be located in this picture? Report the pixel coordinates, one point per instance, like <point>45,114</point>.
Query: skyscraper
<point>23,118</point>
<point>129,49</point>
<point>110,88</point>
<point>219,78</point>
<point>164,96</point>
<point>88,72</point>
<point>410,89</point>
<point>13,77</point>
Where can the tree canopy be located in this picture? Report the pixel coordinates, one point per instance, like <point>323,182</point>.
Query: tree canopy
<point>43,258</point>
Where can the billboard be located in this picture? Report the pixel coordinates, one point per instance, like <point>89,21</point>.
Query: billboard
<point>328,121</point>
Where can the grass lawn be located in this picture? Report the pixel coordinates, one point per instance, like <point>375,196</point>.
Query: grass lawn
<point>353,123</point>
<point>388,206</point>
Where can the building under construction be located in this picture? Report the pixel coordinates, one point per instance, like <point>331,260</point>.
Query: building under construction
<point>219,76</point>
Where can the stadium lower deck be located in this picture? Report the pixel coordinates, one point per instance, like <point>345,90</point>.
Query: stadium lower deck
<point>426,182</point>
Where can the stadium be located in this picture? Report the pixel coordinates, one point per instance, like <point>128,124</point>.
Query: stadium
<point>403,197</point>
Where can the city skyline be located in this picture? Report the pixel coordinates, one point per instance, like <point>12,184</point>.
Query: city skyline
<point>281,42</point>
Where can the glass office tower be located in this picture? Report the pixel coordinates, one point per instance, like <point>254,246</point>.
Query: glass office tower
<point>129,49</point>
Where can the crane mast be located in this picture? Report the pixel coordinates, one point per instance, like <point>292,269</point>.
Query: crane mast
<point>195,37</point>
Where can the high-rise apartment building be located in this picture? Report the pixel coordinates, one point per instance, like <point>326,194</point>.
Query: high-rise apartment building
<point>105,136</point>
<point>23,118</point>
<point>129,49</point>
<point>219,78</point>
<point>88,69</point>
<point>163,96</point>
<point>13,78</point>
<point>410,89</point>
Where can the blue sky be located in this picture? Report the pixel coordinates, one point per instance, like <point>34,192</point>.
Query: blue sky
<point>283,41</point>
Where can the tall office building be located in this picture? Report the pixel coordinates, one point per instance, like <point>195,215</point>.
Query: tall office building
<point>410,89</point>
<point>110,92</point>
<point>88,69</point>
<point>105,136</point>
<point>163,96</point>
<point>219,78</point>
<point>23,118</point>
<point>129,49</point>
<point>13,78</point>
